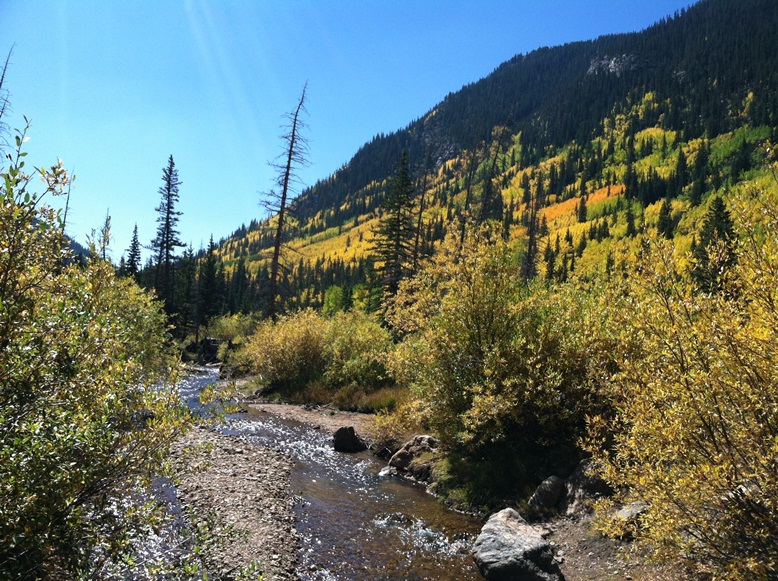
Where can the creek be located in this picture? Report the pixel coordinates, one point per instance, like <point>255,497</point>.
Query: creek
<point>355,521</point>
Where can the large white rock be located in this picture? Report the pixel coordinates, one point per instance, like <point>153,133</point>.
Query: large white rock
<point>510,549</point>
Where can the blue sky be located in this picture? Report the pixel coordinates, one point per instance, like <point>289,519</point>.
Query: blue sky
<point>113,88</point>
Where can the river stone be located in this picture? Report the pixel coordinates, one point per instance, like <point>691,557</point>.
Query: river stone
<point>416,458</point>
<point>583,485</point>
<point>509,549</point>
<point>412,449</point>
<point>547,494</point>
<point>345,439</point>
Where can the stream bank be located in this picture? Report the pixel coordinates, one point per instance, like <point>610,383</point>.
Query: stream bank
<point>245,487</point>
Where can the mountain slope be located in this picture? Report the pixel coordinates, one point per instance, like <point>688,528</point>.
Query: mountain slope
<point>582,108</point>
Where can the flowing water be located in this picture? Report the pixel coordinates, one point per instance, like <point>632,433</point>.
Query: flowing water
<point>355,521</point>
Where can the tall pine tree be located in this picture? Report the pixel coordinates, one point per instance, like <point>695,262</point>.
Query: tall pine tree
<point>713,254</point>
<point>132,266</point>
<point>167,239</point>
<point>394,237</point>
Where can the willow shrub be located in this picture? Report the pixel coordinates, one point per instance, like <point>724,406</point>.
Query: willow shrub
<point>696,437</point>
<point>495,364</point>
<point>81,421</point>
<point>287,354</point>
<point>311,356</point>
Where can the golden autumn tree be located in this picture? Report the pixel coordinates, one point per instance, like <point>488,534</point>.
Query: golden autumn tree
<point>696,437</point>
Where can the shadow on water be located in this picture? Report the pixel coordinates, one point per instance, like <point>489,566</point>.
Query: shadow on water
<point>355,523</point>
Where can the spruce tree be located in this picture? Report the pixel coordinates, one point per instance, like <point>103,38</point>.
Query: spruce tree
<point>186,291</point>
<point>393,246</point>
<point>631,229</point>
<point>680,172</point>
<point>132,266</point>
<point>167,239</point>
<point>208,286</point>
<point>581,210</point>
<point>713,253</point>
<point>665,226</point>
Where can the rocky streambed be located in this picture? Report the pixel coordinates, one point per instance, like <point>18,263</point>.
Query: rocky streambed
<point>303,511</point>
<point>244,489</point>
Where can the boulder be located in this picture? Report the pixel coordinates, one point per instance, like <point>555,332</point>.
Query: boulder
<point>508,549</point>
<point>345,439</point>
<point>632,511</point>
<point>584,485</point>
<point>547,494</point>
<point>414,457</point>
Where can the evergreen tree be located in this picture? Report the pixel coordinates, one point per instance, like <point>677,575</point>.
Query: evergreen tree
<point>631,229</point>
<point>132,265</point>
<point>491,196</point>
<point>700,173</point>
<point>393,246</point>
<point>680,175</point>
<point>472,166</point>
<point>529,261</point>
<point>186,292</point>
<point>549,256</point>
<point>665,226</point>
<point>713,253</point>
<point>208,279</point>
<point>418,242</point>
<point>167,239</point>
<point>582,210</point>
<point>238,299</point>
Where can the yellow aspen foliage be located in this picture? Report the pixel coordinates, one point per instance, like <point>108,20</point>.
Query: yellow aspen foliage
<point>696,433</point>
<point>489,359</point>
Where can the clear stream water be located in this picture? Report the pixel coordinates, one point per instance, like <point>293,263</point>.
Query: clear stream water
<point>354,521</point>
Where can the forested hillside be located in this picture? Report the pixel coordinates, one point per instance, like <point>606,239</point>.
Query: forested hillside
<point>571,120</point>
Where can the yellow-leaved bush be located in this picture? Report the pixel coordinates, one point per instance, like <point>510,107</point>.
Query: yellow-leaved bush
<point>493,360</point>
<point>82,421</point>
<point>696,433</point>
<point>316,358</point>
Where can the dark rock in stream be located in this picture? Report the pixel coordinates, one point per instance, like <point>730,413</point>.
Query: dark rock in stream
<point>346,440</point>
<point>508,549</point>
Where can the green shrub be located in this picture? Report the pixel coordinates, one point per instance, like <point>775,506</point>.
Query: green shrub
<point>233,328</point>
<point>356,344</point>
<point>492,360</point>
<point>82,422</point>
<point>289,353</point>
<point>306,352</point>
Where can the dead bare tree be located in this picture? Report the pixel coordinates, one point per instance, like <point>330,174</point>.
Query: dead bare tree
<point>4,102</point>
<point>278,202</point>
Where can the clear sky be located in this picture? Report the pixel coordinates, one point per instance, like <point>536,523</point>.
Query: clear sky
<point>115,87</point>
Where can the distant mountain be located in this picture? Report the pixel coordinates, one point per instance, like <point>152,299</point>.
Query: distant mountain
<point>703,62</point>
<point>700,74</point>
